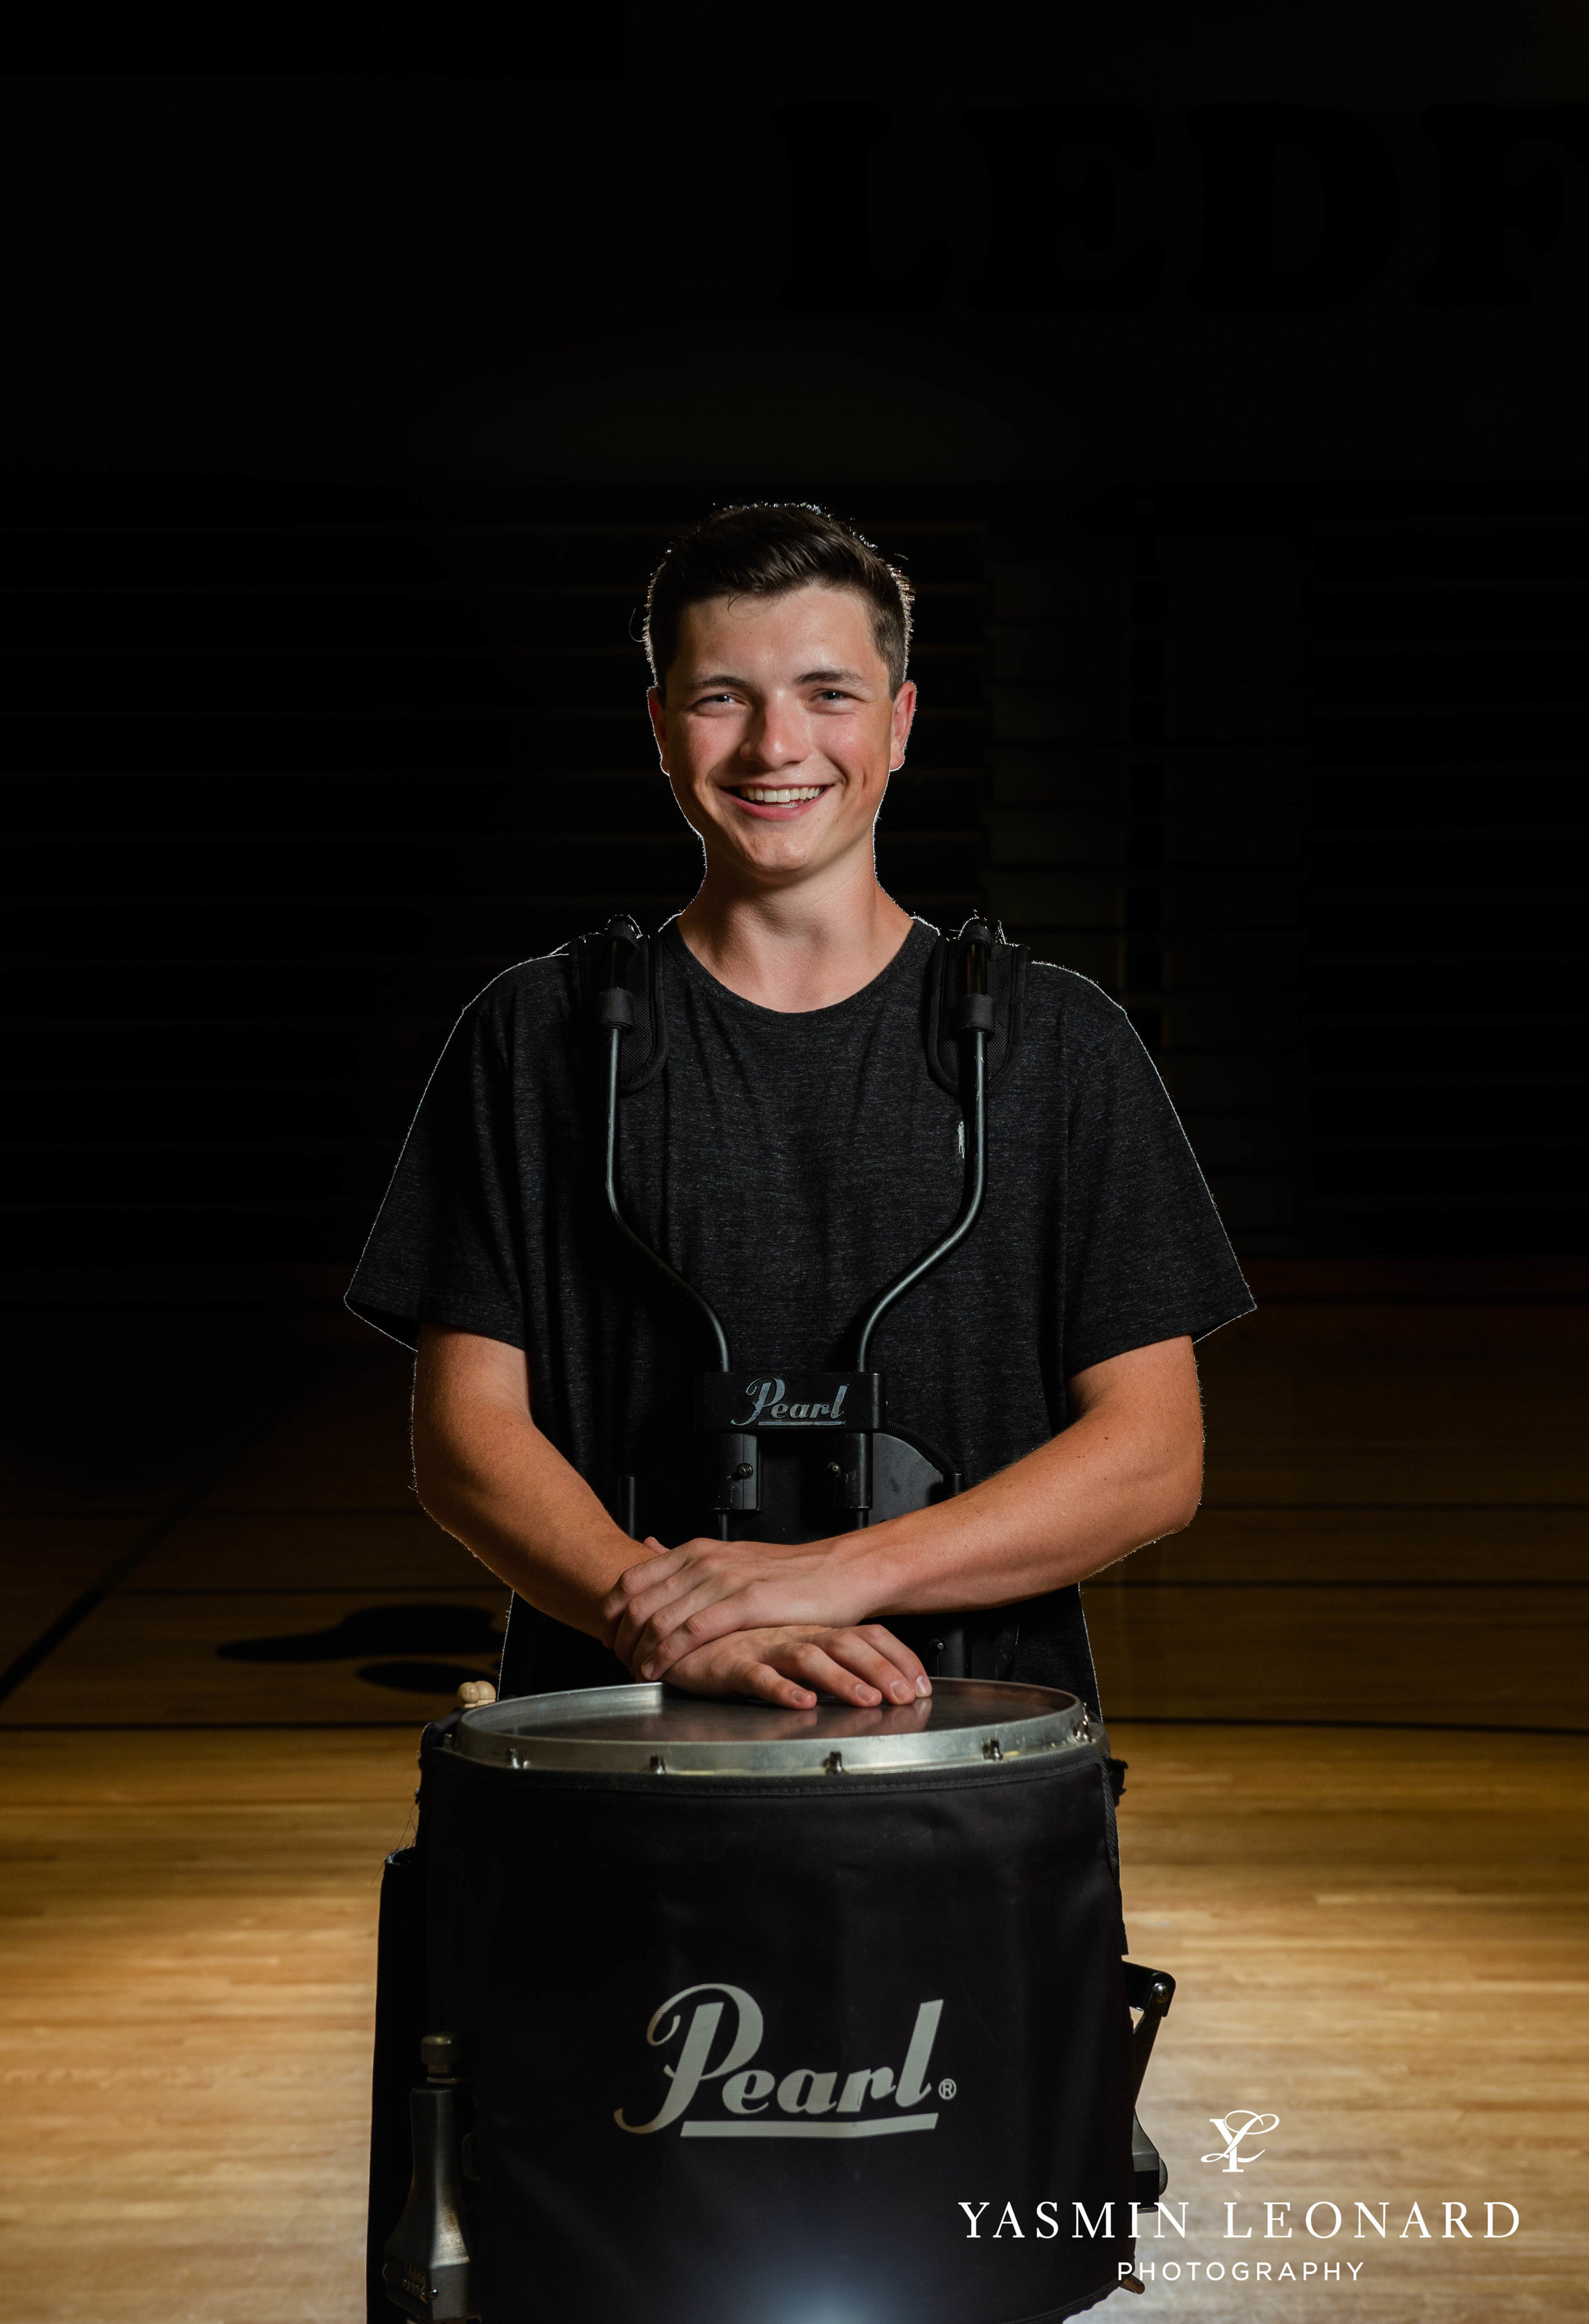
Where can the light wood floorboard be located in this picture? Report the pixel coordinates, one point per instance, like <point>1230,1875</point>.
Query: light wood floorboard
<point>156,1659</point>
<point>1379,1939</point>
<point>1380,1936</point>
<point>1496,1656</point>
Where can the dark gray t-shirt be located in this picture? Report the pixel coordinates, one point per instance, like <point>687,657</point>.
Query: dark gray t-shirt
<point>789,1166</point>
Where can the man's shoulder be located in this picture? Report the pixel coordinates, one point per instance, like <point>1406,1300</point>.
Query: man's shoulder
<point>524,1009</point>
<point>1061,1002</point>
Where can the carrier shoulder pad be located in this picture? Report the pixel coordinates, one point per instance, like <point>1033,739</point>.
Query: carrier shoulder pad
<point>644,1050</point>
<point>1007,968</point>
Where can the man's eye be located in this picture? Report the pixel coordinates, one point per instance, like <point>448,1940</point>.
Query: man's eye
<point>831,693</point>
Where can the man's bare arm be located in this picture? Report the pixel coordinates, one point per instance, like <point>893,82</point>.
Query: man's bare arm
<point>486,1474</point>
<point>1127,1470</point>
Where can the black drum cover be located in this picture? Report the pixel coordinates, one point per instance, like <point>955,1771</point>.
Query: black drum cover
<point>742,2049</point>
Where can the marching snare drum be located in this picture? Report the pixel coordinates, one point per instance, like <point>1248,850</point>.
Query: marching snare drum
<point>764,2016</point>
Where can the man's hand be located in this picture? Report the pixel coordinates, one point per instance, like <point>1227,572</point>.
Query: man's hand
<point>678,1600</point>
<point>791,1664</point>
<point>1126,1470</point>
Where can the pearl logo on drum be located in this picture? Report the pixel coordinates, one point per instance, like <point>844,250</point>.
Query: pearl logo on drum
<point>760,2103</point>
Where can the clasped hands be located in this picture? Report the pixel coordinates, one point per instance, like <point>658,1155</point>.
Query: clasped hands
<point>770,1619</point>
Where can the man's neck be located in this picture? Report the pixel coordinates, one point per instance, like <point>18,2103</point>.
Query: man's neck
<point>795,949</point>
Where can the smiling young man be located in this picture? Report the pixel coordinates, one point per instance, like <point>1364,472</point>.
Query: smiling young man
<point>792,1156</point>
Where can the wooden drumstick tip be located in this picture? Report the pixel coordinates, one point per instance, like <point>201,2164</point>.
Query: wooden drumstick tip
<point>475,1693</point>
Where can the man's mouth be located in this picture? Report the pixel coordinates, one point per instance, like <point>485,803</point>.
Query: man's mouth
<point>778,795</point>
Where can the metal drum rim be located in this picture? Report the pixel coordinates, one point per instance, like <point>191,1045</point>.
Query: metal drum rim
<point>496,1735</point>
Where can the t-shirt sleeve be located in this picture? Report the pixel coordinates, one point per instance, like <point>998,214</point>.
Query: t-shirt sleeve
<point>1146,1255</point>
<point>448,1246</point>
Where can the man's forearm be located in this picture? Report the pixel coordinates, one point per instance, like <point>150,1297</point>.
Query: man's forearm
<point>487,1474</point>
<point>1078,1504</point>
<point>1126,1471</point>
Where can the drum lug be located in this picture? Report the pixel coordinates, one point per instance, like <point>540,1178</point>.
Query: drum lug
<point>426,2257</point>
<point>1151,1991</point>
<point>1148,2168</point>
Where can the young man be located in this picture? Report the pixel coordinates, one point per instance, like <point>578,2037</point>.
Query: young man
<point>792,1157</point>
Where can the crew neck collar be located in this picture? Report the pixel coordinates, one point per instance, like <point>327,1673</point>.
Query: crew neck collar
<point>920,932</point>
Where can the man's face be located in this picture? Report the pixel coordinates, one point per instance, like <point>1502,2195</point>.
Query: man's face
<point>777,731</point>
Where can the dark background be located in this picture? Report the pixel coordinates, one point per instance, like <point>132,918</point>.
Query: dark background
<point>1220,384</point>
<point>1219,367</point>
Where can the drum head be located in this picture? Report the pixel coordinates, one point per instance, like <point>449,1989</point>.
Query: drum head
<point>655,1730</point>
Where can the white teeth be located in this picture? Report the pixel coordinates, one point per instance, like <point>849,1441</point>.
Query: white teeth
<point>780,798</point>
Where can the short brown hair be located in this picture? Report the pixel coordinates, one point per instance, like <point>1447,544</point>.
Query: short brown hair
<point>765,548</point>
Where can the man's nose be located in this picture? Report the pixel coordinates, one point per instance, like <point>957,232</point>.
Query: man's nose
<point>775,737</point>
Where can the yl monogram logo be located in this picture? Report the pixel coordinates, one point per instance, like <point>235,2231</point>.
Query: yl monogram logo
<point>1233,2128</point>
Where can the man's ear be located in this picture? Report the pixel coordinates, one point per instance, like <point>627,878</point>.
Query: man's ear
<point>658,710</point>
<point>904,715</point>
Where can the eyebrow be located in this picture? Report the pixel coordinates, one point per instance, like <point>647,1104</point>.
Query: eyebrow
<point>806,678</point>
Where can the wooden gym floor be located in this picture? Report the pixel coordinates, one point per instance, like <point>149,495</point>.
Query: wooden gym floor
<point>1352,1699</point>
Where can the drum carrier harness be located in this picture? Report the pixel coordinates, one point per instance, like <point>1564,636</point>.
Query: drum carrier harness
<point>785,1455</point>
